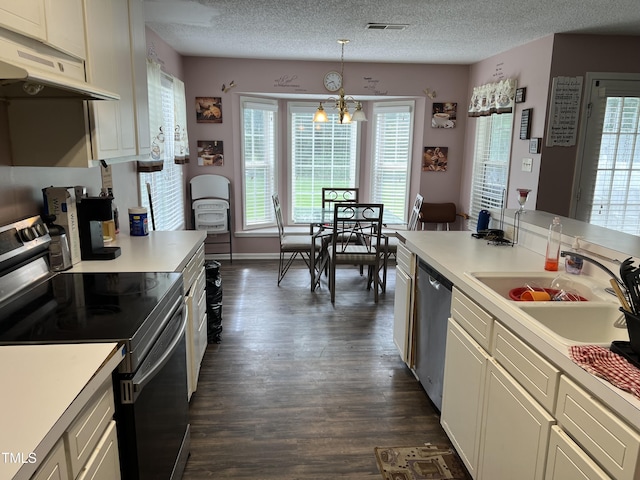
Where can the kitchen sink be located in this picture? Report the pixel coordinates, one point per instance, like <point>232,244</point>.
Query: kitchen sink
<point>503,282</point>
<point>579,322</point>
<point>597,321</point>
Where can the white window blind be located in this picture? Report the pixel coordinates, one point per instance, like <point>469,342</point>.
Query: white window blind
<point>392,133</point>
<point>322,155</point>
<point>167,185</point>
<point>258,161</point>
<point>491,162</point>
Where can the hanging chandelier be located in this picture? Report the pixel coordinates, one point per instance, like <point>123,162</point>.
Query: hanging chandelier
<point>342,102</point>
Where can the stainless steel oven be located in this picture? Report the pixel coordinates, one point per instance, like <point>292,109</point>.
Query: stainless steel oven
<point>143,311</point>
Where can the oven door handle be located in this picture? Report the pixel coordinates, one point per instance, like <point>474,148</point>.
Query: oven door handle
<point>130,389</point>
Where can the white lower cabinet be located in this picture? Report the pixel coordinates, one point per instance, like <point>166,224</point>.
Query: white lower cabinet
<point>462,397</point>
<point>54,466</point>
<point>567,461</point>
<point>88,449</point>
<point>104,463</point>
<point>613,444</point>
<point>516,430</point>
<point>403,305</point>
<point>195,281</point>
<point>502,400</point>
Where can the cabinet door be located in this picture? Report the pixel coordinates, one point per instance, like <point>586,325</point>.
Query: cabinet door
<point>568,461</point>
<point>65,26</point>
<point>516,430</point>
<point>109,66</point>
<point>402,312</point>
<point>140,90</point>
<point>55,465</point>
<point>104,463</point>
<point>464,377</point>
<point>24,16</point>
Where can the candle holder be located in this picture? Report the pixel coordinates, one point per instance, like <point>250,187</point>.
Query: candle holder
<point>523,196</point>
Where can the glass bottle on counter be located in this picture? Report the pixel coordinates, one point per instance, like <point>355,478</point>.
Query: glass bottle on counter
<point>553,245</point>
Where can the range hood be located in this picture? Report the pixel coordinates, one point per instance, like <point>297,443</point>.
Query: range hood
<point>19,81</point>
<point>30,69</point>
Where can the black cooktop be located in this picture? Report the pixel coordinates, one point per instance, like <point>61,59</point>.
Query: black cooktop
<point>84,307</point>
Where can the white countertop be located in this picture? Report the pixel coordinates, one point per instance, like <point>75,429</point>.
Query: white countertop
<point>44,387</point>
<point>456,254</point>
<point>157,252</point>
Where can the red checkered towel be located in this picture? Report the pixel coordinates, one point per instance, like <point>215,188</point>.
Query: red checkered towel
<point>608,365</point>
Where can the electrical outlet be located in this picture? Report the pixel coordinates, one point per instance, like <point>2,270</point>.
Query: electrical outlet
<point>527,164</point>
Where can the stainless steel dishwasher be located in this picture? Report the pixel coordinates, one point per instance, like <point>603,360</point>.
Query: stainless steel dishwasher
<point>433,310</point>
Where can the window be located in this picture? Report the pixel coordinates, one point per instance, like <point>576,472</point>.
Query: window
<point>322,155</point>
<point>392,127</point>
<point>258,161</point>
<point>167,185</point>
<point>491,162</point>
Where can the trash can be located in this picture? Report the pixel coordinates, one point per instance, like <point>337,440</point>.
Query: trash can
<point>214,301</point>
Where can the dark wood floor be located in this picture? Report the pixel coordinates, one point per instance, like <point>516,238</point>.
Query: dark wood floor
<point>299,388</point>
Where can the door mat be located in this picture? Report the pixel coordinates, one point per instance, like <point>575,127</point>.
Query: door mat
<point>429,462</point>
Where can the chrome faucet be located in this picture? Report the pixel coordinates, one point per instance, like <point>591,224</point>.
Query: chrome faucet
<point>564,253</point>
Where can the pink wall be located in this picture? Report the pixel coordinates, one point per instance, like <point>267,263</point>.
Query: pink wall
<point>529,64</point>
<point>205,77</point>
<point>575,55</point>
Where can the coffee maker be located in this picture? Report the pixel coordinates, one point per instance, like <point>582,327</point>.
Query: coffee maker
<point>92,211</point>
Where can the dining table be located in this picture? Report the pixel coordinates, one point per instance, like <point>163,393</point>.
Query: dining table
<point>320,222</point>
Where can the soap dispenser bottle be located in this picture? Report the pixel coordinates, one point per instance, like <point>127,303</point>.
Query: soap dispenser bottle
<point>573,264</point>
<point>553,245</point>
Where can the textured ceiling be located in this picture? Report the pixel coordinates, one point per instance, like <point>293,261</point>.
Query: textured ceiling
<point>438,31</point>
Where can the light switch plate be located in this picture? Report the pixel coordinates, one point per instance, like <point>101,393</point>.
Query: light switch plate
<point>527,164</point>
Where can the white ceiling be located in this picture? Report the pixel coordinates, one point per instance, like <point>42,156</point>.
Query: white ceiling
<point>438,31</point>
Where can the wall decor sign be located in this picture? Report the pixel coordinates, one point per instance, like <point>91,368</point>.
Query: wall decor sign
<point>525,124</point>
<point>209,109</point>
<point>534,145</point>
<point>521,94</point>
<point>564,111</point>
<point>210,153</point>
<point>444,115</point>
<point>435,159</point>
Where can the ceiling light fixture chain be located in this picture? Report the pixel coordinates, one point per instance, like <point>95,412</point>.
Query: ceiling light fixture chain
<point>342,102</point>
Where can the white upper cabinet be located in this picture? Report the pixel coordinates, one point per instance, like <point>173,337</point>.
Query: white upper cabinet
<point>73,133</point>
<point>57,23</point>
<point>25,17</point>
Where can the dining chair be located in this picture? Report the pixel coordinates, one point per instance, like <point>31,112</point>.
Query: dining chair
<point>293,245</point>
<point>438,214</point>
<point>331,196</point>
<point>394,240</point>
<point>356,239</point>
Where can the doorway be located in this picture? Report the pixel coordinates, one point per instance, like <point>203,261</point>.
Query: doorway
<point>608,192</point>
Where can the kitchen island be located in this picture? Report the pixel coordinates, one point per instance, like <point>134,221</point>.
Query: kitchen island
<point>456,255</point>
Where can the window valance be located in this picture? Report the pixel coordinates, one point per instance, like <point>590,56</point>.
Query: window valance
<point>492,98</point>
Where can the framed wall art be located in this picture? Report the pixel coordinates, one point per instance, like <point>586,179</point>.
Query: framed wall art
<point>209,109</point>
<point>435,159</point>
<point>534,145</point>
<point>210,153</point>
<point>525,124</point>
<point>521,94</point>
<point>444,115</point>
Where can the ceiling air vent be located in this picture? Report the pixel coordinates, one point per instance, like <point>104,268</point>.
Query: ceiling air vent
<point>386,26</point>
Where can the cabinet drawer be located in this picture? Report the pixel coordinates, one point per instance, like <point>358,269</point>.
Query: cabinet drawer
<point>54,466</point>
<point>104,463</point>
<point>567,460</point>
<point>475,321</point>
<point>405,260</point>
<point>85,432</point>
<point>193,268</point>
<point>609,441</point>
<point>534,373</point>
